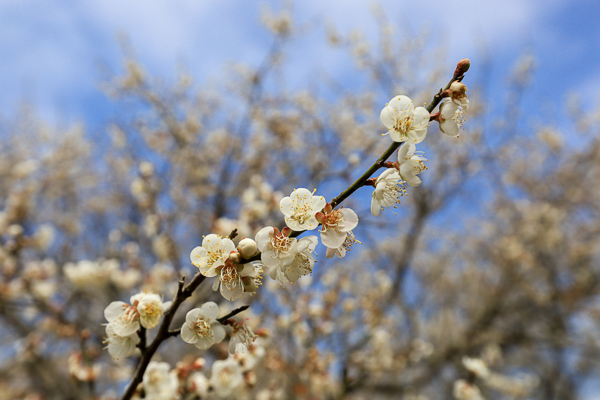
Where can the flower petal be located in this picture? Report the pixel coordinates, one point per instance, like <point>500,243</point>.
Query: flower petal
<point>375,210</point>
<point>210,311</point>
<point>286,205</point>
<point>218,332</point>
<point>263,237</point>
<point>188,335</point>
<point>192,316</point>
<point>400,103</point>
<point>333,239</point>
<point>210,241</point>
<point>232,294</point>
<point>197,255</point>
<point>350,220</point>
<point>114,309</point>
<point>421,118</point>
<point>204,343</point>
<point>388,117</point>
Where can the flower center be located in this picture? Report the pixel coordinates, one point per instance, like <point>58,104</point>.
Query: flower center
<point>131,313</point>
<point>245,336</point>
<point>230,277</point>
<point>332,220</point>
<point>302,211</point>
<point>152,310</point>
<point>459,117</point>
<point>350,241</point>
<point>202,328</point>
<point>403,124</point>
<point>281,243</point>
<point>303,260</point>
<point>225,376</point>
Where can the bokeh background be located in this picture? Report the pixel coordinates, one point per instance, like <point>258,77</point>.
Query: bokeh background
<point>131,129</point>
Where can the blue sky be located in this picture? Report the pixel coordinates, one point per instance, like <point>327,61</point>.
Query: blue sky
<point>51,51</point>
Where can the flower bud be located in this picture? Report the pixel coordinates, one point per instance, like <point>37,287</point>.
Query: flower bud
<point>462,67</point>
<point>458,94</point>
<point>235,257</point>
<point>247,247</point>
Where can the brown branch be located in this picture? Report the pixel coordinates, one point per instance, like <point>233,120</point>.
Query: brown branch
<point>233,313</point>
<point>183,293</point>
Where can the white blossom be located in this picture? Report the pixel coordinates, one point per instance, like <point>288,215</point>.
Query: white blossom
<point>150,307</point>
<point>146,309</point>
<point>388,190</point>
<point>410,164</point>
<point>405,123</point>
<point>300,209</point>
<point>344,247</point>
<point>237,279</point>
<point>464,390</point>
<point>476,366</point>
<point>201,327</point>
<point>241,339</point>
<point>335,225</point>
<point>198,384</point>
<point>159,382</point>
<point>123,318</point>
<point>120,347</point>
<point>458,94</point>
<point>212,254</point>
<point>226,377</point>
<point>451,118</point>
<point>89,274</point>
<point>287,258</point>
<point>80,370</point>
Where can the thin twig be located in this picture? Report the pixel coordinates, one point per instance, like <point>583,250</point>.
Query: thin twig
<point>233,313</point>
<point>163,332</point>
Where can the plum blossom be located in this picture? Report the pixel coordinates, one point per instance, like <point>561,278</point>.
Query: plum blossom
<point>335,225</point>
<point>458,94</point>
<point>226,377</point>
<point>344,247</point>
<point>451,118</point>
<point>150,307</point>
<point>300,209</point>
<point>159,382</point>
<point>198,384</point>
<point>405,123</point>
<point>287,258</point>
<point>201,327</point>
<point>120,347</point>
<point>241,339</point>
<point>464,390</point>
<point>476,366</point>
<point>410,164</point>
<point>388,190</point>
<point>123,318</point>
<point>212,254</point>
<point>237,279</point>
<point>80,370</point>
<point>146,309</point>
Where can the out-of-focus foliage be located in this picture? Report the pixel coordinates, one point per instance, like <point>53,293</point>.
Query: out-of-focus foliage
<point>494,256</point>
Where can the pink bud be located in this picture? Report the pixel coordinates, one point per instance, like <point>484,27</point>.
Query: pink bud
<point>462,67</point>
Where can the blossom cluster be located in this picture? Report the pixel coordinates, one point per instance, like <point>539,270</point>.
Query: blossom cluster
<point>238,270</point>
<point>228,377</point>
